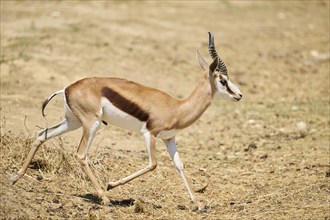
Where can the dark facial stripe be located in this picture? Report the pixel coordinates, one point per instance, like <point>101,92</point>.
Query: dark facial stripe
<point>124,104</point>
<point>230,91</point>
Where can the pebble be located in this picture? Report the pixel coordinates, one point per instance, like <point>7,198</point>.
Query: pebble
<point>294,108</point>
<point>319,56</point>
<point>302,126</point>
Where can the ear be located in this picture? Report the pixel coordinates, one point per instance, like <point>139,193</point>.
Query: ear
<point>213,66</point>
<point>203,64</point>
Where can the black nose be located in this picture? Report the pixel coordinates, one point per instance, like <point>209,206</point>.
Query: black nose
<point>240,97</point>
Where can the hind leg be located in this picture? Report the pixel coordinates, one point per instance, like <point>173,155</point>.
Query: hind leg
<point>89,129</point>
<point>67,125</point>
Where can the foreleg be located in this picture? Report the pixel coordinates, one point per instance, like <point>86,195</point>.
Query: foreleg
<point>172,150</point>
<point>151,150</point>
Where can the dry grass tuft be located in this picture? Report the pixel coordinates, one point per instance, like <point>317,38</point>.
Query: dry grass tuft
<point>139,206</point>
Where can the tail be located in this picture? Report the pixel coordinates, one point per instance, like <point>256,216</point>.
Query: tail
<point>48,100</point>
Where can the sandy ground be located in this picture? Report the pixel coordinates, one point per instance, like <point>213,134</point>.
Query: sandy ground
<point>266,157</point>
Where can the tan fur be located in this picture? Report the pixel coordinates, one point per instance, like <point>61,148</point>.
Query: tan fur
<point>166,113</point>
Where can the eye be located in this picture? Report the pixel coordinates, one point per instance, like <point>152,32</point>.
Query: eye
<point>223,82</point>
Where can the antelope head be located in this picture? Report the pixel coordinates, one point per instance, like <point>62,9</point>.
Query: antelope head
<point>218,74</point>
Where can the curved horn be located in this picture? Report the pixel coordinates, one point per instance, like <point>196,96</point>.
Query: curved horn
<point>213,53</point>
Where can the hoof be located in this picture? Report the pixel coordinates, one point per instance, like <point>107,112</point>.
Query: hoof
<point>112,185</point>
<point>106,202</point>
<point>201,208</point>
<point>13,180</point>
<point>110,204</point>
<point>109,187</point>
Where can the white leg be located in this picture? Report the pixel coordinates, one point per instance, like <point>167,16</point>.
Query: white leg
<point>67,125</point>
<point>151,150</point>
<point>89,130</point>
<point>172,150</point>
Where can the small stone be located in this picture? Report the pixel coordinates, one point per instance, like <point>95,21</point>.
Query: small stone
<point>182,207</point>
<point>327,174</point>
<point>265,156</point>
<point>302,126</point>
<point>294,108</point>
<point>138,208</point>
<point>250,147</point>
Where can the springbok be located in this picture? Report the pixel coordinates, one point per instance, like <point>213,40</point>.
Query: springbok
<point>155,114</point>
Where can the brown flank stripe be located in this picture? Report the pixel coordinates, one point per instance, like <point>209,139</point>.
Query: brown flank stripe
<point>124,104</point>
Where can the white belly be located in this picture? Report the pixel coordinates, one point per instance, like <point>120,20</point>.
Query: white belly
<point>115,116</point>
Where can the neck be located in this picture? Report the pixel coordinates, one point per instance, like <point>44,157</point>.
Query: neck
<point>194,106</point>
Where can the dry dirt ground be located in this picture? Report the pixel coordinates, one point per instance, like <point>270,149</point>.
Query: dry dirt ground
<point>266,157</point>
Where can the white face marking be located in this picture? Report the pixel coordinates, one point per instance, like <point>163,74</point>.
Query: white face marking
<point>233,87</point>
<point>115,116</point>
<point>226,90</point>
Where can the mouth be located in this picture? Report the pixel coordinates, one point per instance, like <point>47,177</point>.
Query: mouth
<point>238,98</point>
